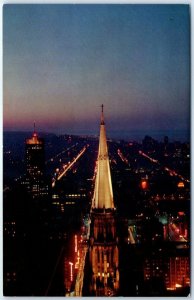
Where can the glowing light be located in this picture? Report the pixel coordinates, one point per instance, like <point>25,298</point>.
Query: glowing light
<point>180,184</point>
<point>78,260</point>
<point>181,213</point>
<point>76,265</point>
<point>144,184</point>
<point>71,271</point>
<point>75,243</point>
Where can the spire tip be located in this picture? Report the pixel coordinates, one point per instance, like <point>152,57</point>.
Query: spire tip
<point>102,115</point>
<point>34,133</point>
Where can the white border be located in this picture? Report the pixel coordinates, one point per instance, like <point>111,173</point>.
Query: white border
<point>1,121</point>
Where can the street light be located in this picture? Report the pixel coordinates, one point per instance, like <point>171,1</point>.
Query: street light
<point>71,271</point>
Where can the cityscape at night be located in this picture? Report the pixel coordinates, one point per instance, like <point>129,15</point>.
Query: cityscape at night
<point>96,150</point>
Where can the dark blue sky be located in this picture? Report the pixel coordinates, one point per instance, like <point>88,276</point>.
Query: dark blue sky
<point>61,62</point>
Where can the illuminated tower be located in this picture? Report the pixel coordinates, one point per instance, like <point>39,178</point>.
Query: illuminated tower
<point>35,156</point>
<point>103,194</point>
<point>35,163</point>
<point>103,251</point>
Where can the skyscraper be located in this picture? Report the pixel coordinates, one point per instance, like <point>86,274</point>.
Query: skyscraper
<point>34,156</point>
<point>103,250</point>
<point>35,164</point>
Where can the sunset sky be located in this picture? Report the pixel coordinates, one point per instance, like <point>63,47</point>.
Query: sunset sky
<point>61,62</point>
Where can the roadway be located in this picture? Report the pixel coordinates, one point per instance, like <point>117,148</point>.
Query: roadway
<point>80,274</point>
<point>51,159</point>
<point>124,159</point>
<point>170,171</point>
<point>70,164</point>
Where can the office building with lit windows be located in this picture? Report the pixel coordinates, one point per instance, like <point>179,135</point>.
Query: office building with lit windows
<point>173,272</point>
<point>35,166</point>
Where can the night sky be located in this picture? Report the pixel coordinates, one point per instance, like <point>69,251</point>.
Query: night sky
<point>61,62</point>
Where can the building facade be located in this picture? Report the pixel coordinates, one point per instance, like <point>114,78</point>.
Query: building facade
<point>173,271</point>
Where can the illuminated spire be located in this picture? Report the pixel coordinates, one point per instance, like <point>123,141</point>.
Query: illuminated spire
<point>35,133</point>
<point>103,194</point>
<point>34,139</point>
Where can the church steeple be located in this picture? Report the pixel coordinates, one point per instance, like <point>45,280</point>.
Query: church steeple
<point>103,194</point>
<point>103,250</point>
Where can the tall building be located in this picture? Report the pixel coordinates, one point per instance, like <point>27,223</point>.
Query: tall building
<point>173,271</point>
<point>103,249</point>
<point>35,156</point>
<point>35,166</point>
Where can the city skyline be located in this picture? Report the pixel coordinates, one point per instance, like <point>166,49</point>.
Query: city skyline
<point>70,238</point>
<point>61,62</point>
<point>96,195</point>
